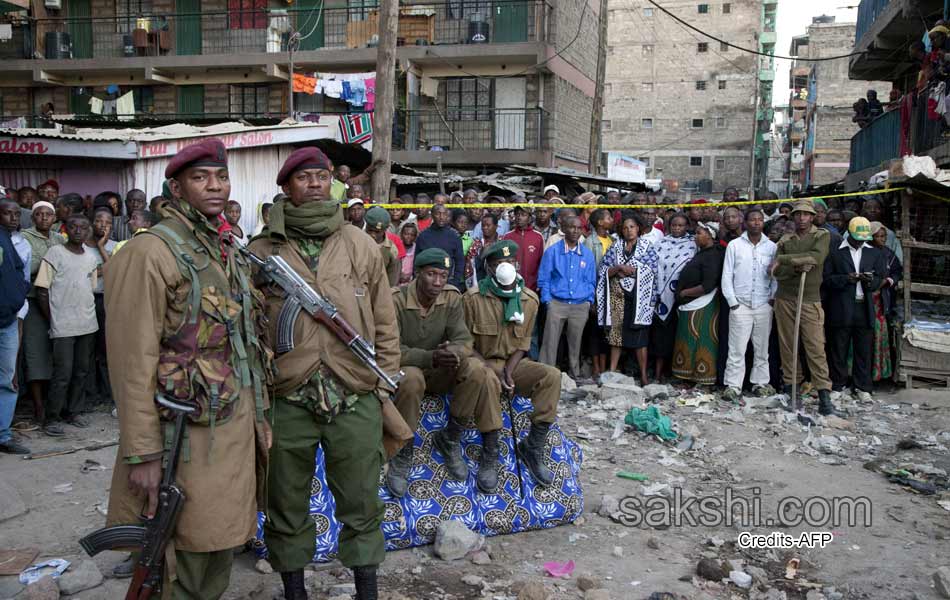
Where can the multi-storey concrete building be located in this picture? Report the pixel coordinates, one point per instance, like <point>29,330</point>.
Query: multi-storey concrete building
<point>480,84</point>
<point>821,98</point>
<point>685,103</point>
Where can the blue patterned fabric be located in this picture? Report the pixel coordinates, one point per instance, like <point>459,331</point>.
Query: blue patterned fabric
<point>520,505</point>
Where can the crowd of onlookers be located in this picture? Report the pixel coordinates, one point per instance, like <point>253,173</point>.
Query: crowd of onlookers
<point>706,295</point>
<point>689,294</point>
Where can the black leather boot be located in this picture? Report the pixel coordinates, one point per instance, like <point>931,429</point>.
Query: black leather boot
<point>487,479</point>
<point>397,476</point>
<point>365,580</point>
<point>446,442</point>
<point>825,406</point>
<point>294,586</point>
<point>532,452</point>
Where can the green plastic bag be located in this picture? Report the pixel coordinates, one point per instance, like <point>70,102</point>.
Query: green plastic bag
<point>651,421</point>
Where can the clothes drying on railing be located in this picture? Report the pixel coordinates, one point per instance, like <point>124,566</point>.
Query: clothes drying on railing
<point>356,89</point>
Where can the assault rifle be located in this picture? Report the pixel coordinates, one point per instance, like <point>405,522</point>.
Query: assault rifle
<point>153,535</point>
<point>300,296</point>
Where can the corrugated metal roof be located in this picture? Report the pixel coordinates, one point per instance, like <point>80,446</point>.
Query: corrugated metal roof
<point>150,134</point>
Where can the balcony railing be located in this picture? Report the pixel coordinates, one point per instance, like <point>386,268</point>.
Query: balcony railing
<point>868,12</point>
<point>471,129</point>
<point>267,30</point>
<point>876,143</point>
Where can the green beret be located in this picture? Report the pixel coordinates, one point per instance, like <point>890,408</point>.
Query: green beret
<point>432,257</point>
<point>821,203</point>
<point>377,218</point>
<point>500,249</point>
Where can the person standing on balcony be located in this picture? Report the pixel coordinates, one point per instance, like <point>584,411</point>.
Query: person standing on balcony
<point>875,108</point>
<point>862,114</point>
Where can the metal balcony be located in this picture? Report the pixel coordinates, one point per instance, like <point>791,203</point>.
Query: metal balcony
<point>268,30</point>
<point>876,143</point>
<point>475,129</point>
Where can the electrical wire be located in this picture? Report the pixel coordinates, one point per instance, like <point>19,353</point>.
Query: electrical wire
<point>310,16</point>
<point>749,50</point>
<point>316,23</point>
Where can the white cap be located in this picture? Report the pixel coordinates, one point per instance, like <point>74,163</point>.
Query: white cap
<point>354,201</point>
<point>550,188</point>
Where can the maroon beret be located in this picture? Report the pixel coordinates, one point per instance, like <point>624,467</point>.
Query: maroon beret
<point>206,153</point>
<point>310,157</point>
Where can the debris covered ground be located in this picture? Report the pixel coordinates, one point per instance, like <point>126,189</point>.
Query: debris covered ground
<point>892,452</point>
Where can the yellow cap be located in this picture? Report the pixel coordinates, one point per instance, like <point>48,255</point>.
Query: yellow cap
<point>860,229</point>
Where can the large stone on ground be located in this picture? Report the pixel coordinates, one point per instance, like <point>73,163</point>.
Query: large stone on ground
<point>10,586</point>
<point>653,390</point>
<point>453,540</point>
<point>80,577</point>
<point>44,589</point>
<point>567,384</point>
<point>942,582</point>
<point>534,590</point>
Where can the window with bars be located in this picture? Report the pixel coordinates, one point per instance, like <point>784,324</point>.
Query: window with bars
<point>606,125</point>
<point>648,11</point>
<point>720,163</point>
<point>720,122</point>
<point>247,14</point>
<point>646,86</point>
<point>697,124</point>
<point>249,99</point>
<point>722,84</point>
<point>726,8</point>
<point>723,47</point>
<point>127,13</point>
<point>358,10</point>
<point>701,86</point>
<point>702,9</point>
<point>695,161</point>
<point>144,98</point>
<point>467,99</point>
<point>646,123</point>
<point>646,49</point>
<point>702,47</point>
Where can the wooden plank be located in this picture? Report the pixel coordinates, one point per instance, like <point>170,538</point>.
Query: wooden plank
<point>925,246</point>
<point>930,288</point>
<point>905,235</point>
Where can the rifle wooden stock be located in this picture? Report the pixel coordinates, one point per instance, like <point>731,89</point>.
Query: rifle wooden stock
<point>136,590</point>
<point>396,432</point>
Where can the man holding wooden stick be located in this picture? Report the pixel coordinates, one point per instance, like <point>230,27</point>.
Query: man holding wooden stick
<point>803,251</point>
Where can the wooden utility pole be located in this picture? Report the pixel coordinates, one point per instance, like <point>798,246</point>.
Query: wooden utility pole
<point>755,130</point>
<point>385,98</point>
<point>597,112</point>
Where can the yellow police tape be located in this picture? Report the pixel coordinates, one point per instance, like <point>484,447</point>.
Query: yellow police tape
<point>658,206</point>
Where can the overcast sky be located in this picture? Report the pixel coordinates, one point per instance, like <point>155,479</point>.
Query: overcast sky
<point>793,17</point>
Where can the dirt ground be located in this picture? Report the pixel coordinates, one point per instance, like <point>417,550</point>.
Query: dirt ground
<point>752,451</point>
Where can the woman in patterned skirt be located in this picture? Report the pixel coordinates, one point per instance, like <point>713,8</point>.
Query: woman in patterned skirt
<point>674,251</point>
<point>696,348</point>
<point>626,293</point>
<point>882,364</point>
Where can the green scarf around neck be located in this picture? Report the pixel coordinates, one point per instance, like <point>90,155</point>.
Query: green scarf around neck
<point>316,219</point>
<point>510,298</point>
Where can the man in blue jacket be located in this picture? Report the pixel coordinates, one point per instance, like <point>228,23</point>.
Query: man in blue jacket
<point>567,279</point>
<point>441,235</point>
<point>14,284</point>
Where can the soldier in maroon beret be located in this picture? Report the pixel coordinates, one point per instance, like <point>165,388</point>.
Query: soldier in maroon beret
<point>323,394</point>
<point>157,333</point>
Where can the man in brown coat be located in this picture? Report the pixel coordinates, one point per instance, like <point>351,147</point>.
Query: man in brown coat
<point>323,394</point>
<point>157,333</point>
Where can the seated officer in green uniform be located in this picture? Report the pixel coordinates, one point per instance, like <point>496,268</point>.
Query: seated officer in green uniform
<point>500,312</point>
<point>377,222</point>
<point>437,358</point>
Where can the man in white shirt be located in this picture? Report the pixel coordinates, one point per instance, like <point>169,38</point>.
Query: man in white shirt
<point>853,272</point>
<point>749,289</point>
